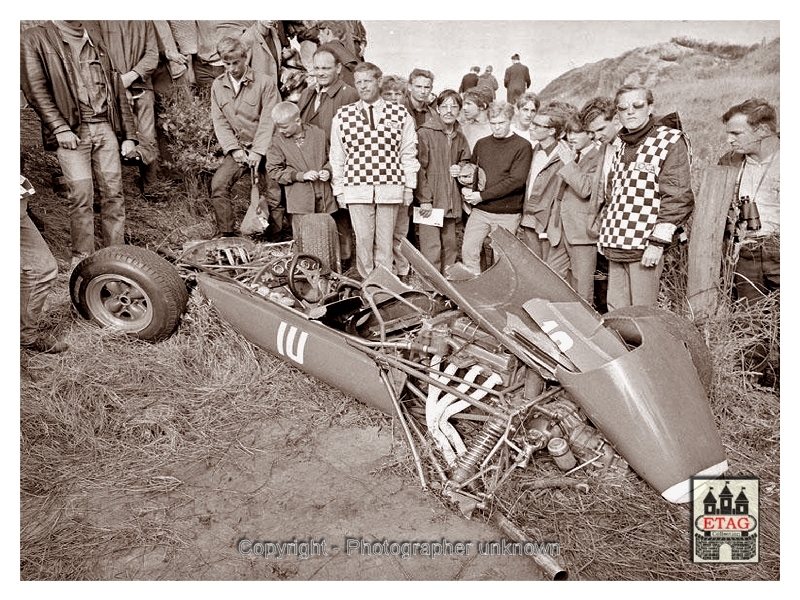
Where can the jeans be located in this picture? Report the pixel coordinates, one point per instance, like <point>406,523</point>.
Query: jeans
<point>479,224</point>
<point>37,274</point>
<point>98,156</point>
<point>373,225</point>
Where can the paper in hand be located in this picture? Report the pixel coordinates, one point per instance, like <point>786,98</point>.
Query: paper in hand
<point>436,219</point>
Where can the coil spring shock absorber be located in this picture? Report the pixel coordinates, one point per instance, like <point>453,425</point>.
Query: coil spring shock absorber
<point>468,463</point>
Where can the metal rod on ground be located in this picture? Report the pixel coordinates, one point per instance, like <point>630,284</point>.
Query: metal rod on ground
<point>549,566</point>
<point>398,409</point>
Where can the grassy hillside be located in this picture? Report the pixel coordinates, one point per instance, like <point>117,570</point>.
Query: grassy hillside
<point>698,80</point>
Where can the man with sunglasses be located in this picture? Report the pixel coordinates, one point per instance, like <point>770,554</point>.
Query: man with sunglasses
<point>649,196</point>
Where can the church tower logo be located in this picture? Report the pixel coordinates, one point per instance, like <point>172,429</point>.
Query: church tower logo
<point>725,524</point>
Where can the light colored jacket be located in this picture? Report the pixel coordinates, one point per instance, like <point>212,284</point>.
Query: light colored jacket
<point>578,205</point>
<point>244,120</point>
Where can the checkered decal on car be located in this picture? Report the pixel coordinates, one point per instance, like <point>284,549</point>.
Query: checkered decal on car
<point>373,155</point>
<point>635,198</point>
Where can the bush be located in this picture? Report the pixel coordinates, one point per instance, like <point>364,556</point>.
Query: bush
<point>193,148</point>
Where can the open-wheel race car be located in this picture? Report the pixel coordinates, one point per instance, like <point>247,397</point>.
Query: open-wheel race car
<point>487,375</point>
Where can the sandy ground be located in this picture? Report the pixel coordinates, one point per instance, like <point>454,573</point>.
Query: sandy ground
<point>328,491</point>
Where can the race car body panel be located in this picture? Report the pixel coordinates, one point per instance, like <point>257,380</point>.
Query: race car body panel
<point>305,343</point>
<point>649,403</point>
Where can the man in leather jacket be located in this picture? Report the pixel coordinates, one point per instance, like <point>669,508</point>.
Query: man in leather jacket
<point>67,78</point>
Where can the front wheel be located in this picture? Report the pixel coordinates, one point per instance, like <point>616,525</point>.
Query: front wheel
<point>130,289</point>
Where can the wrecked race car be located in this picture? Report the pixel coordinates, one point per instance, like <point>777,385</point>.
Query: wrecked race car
<point>486,375</point>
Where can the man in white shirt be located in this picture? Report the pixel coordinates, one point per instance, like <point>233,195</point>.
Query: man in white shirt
<point>752,129</point>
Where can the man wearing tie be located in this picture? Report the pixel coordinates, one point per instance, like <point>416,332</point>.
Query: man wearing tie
<point>318,104</point>
<point>373,156</point>
<point>577,211</point>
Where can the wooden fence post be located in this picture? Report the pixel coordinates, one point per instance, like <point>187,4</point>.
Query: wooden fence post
<point>705,243</point>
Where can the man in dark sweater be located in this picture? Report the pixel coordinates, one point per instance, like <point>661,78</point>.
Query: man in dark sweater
<point>505,158</point>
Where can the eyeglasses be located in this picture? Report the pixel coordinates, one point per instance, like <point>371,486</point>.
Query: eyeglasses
<point>449,108</point>
<point>636,105</point>
<point>540,125</point>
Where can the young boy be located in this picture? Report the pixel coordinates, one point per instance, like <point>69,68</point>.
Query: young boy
<point>298,161</point>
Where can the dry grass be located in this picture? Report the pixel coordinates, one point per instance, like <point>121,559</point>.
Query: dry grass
<point>114,426</point>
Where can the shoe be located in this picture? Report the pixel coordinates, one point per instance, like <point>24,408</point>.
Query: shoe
<point>47,344</point>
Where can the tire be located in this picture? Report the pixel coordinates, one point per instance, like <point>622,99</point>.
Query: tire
<point>623,320</point>
<point>316,234</point>
<point>130,289</point>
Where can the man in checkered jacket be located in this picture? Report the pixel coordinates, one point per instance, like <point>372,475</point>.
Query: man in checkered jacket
<point>373,157</point>
<point>649,196</point>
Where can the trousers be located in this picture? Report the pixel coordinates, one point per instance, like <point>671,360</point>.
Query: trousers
<point>479,225</point>
<point>37,274</point>
<point>632,284</point>
<point>226,175</point>
<point>373,225</point>
<point>97,157</point>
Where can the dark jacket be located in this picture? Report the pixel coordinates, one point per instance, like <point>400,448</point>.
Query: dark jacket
<point>469,81</point>
<point>517,79</point>
<point>427,113</point>
<point>436,154</point>
<point>286,160</point>
<point>49,84</point>
<point>339,94</point>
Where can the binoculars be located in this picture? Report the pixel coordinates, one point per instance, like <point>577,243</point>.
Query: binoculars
<point>743,215</point>
<point>749,214</point>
